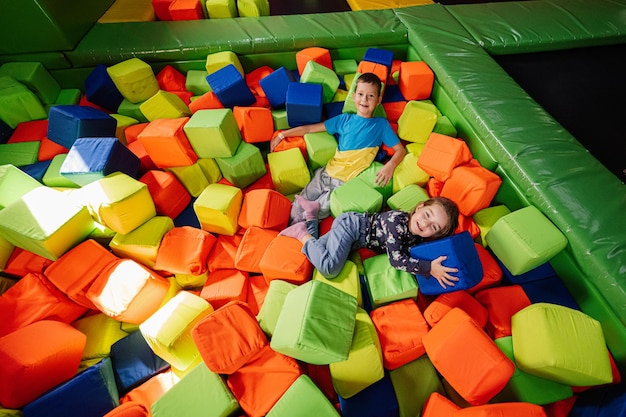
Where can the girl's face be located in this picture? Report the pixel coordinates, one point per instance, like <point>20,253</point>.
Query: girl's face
<point>428,221</point>
<point>366,99</point>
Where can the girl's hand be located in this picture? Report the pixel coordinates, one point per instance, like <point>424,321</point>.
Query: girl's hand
<point>442,273</point>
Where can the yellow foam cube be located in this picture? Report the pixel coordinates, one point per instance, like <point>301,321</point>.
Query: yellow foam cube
<point>218,207</point>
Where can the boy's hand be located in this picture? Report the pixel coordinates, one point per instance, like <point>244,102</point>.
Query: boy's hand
<point>384,175</point>
<point>442,273</point>
<point>276,140</point>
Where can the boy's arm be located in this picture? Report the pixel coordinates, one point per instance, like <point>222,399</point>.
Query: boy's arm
<point>385,174</point>
<point>296,131</point>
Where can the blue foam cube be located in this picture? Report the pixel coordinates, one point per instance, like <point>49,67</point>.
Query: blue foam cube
<point>37,170</point>
<point>66,123</point>
<point>304,104</point>
<point>5,132</point>
<point>100,89</point>
<point>462,254</point>
<point>379,56</point>
<point>230,87</point>
<point>392,94</point>
<point>544,270</point>
<point>377,400</point>
<point>549,290</point>
<point>90,159</point>
<point>333,109</point>
<point>275,86</point>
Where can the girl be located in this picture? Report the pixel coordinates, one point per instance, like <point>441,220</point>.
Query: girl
<point>393,232</point>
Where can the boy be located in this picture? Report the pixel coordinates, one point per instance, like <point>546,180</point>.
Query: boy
<point>359,137</point>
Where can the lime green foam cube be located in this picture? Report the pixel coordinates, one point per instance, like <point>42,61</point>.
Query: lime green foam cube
<point>347,281</point>
<point>164,105</point>
<point>289,170</point>
<point>244,167</point>
<point>364,365</point>
<point>34,76</point>
<point>134,79</point>
<point>413,383</point>
<point>320,148</point>
<point>213,133</point>
<point>345,66</point>
<point>253,8</point>
<point>126,108</point>
<point>315,324</point>
<point>368,175</point>
<point>219,60</point>
<point>14,183</point>
<point>408,172</point>
<point>221,9</point>
<point>19,153</point>
<point>417,121</point>
<point>280,119</point>
<point>53,177</point>
<point>560,344</point>
<point>218,207</point>
<point>487,217</point>
<point>273,304</point>
<point>303,398</point>
<point>355,195</point>
<point>18,104</point>
<point>196,82</point>
<point>316,73</point>
<point>142,244</point>
<point>407,198</point>
<point>525,239</point>
<point>387,284</point>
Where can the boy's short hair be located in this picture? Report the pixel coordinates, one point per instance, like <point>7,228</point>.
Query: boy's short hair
<point>370,78</point>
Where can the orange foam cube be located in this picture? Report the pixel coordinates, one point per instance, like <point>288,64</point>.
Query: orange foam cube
<point>380,70</point>
<point>283,259</point>
<point>185,250</point>
<point>255,123</point>
<point>264,208</point>
<point>252,248</point>
<point>317,54</point>
<point>441,154</point>
<point>167,144</point>
<point>415,80</point>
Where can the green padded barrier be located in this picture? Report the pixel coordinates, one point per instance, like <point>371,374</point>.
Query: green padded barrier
<point>50,60</point>
<point>505,28</point>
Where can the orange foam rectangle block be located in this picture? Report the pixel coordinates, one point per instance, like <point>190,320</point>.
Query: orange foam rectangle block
<point>129,409</point>
<point>21,262</point>
<point>415,80</point>
<point>492,273</point>
<point>225,285</point>
<point>441,154</point>
<point>265,208</point>
<point>228,338</point>
<point>169,195</point>
<point>132,131</point>
<point>472,187</point>
<point>283,259</point>
<point>261,382</point>
<point>502,303</point>
<point>151,390</point>
<point>206,101</point>
<point>393,110</point>
<point>37,358</point>
<point>222,256</point>
<point>255,123</point>
<point>511,409</point>
<point>439,307</point>
<point>252,248</point>
<point>170,79</point>
<point>400,326</point>
<point>437,405</point>
<point>186,10</point>
<point>185,250</point>
<point>380,70</point>
<point>314,53</point>
<point>254,77</point>
<point>257,290</point>
<point>162,9</point>
<point>477,374</point>
<point>34,298</point>
<point>128,291</point>
<point>166,143</point>
<point>75,271</point>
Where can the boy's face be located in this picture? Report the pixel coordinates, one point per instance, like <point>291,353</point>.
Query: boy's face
<point>428,221</point>
<point>366,98</point>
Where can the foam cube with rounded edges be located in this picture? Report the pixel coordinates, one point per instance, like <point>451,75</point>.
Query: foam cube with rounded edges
<point>511,409</point>
<point>275,86</point>
<point>528,388</point>
<point>316,324</point>
<point>164,105</point>
<point>364,365</point>
<point>441,154</point>
<point>283,259</point>
<point>314,53</point>
<point>260,383</point>
<point>441,305</point>
<point>264,208</point>
<point>477,374</point>
<point>347,280</point>
<point>220,9</point>
<point>200,392</point>
<point>289,171</point>
<point>400,326</point>
<point>253,8</point>
<point>223,254</point>
<point>219,60</point>
<point>560,344</point>
<point>185,250</point>
<point>229,85</point>
<point>36,358</point>
<point>438,405</point>
<point>118,202</point>
<point>213,133</point>
<point>218,207</point>
<point>14,183</point>
<point>417,121</point>
<point>102,332</point>
<point>252,248</point>
<point>225,285</point>
<point>304,103</point>
<point>18,103</point>
<point>413,383</point>
<point>315,73</point>
<point>186,10</point>
<point>168,330</point>
<point>303,397</point>
<point>100,89</point>
<point>90,159</point>
<point>525,239</point>
<point>244,167</point>
<point>408,173</point>
<point>376,400</point>
<point>485,219</point>
<point>46,222</point>
<point>128,291</point>
<point>129,409</point>
<point>415,80</point>
<point>407,198</point>
<point>461,254</point>
<point>69,122</point>
<point>168,193</point>
<point>273,304</point>
<point>471,187</point>
<point>167,144</point>
<point>379,56</point>
<point>355,195</point>
<point>255,123</point>
<point>192,178</point>
<point>228,338</point>
<point>387,284</point>
<point>380,70</point>
<point>368,175</point>
<point>320,148</point>
<point>501,304</point>
<point>134,79</point>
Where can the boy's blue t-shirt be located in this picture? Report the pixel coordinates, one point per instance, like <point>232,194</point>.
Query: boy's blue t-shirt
<point>356,132</point>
